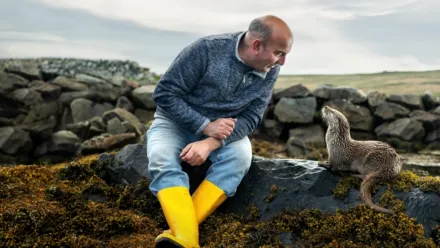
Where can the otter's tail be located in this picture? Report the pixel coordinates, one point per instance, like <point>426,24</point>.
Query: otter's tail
<point>366,186</point>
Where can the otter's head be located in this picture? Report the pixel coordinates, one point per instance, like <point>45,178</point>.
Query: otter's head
<point>334,118</point>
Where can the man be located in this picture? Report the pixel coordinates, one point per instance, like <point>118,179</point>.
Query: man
<point>212,96</point>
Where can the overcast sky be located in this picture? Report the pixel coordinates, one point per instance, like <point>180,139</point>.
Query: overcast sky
<point>330,36</point>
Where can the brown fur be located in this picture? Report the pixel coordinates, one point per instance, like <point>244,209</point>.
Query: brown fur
<point>374,161</point>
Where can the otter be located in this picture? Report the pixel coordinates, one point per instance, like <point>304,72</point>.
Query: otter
<point>372,161</point>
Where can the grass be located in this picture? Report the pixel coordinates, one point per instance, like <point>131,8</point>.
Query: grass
<point>413,82</point>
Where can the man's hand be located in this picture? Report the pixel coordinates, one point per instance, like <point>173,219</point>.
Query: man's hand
<point>197,152</point>
<point>220,128</point>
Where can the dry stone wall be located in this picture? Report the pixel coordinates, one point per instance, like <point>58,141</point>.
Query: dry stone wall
<point>55,109</point>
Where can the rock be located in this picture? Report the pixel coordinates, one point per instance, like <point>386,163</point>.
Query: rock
<point>69,84</point>
<point>100,109</point>
<point>143,115</point>
<point>296,110</point>
<point>350,94</point>
<point>303,140</point>
<point>430,121</point>
<point>359,117</point>
<point>9,109</point>
<point>433,136</point>
<point>27,96</point>
<point>28,70</point>
<point>123,115</point>
<point>9,82</point>
<point>81,109</point>
<point>296,91</point>
<point>62,143</point>
<point>66,117</point>
<point>143,97</point>
<point>97,127</point>
<point>48,91</point>
<point>272,128</point>
<point>107,142</point>
<point>14,141</point>
<point>302,184</point>
<point>110,70</point>
<point>67,97</point>
<point>6,122</point>
<point>41,111</point>
<point>130,83</point>
<point>114,126</point>
<point>42,129</point>
<point>391,111</point>
<point>81,129</point>
<point>359,135</point>
<point>375,98</point>
<point>274,185</point>
<point>128,166</point>
<point>404,128</point>
<point>125,103</point>
<point>429,101</point>
<point>411,101</point>
<point>89,80</point>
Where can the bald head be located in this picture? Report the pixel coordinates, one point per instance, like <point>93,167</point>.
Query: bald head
<point>266,43</point>
<point>268,28</point>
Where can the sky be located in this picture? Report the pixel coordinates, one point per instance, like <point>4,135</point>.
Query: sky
<point>330,36</point>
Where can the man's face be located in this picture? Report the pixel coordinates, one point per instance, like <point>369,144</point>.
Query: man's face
<point>271,53</point>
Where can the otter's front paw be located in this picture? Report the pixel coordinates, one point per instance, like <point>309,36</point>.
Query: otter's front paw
<point>324,164</point>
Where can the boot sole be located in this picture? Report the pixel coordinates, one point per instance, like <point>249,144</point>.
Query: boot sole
<point>167,243</point>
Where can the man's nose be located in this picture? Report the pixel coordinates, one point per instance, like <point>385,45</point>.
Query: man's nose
<point>282,60</point>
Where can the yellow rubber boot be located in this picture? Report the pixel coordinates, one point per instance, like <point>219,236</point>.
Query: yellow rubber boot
<point>207,198</point>
<point>178,208</point>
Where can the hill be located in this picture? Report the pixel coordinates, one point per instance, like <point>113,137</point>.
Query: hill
<point>417,82</point>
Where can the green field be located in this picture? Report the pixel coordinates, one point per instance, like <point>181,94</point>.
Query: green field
<point>387,82</point>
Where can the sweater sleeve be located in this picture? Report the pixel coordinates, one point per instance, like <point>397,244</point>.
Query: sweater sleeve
<point>181,76</point>
<point>252,116</point>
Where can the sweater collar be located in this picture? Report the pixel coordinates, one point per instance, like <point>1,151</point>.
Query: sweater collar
<point>237,43</point>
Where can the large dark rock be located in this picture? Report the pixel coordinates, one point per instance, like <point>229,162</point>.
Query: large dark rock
<point>302,184</point>
<point>273,185</point>
<point>330,92</point>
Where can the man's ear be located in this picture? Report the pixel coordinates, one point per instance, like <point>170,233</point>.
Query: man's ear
<point>256,45</point>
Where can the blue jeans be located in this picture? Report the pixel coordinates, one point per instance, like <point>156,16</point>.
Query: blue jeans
<point>166,140</point>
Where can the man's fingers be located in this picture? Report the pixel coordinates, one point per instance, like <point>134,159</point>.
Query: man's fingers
<point>185,150</point>
<point>229,129</point>
<point>226,133</point>
<point>195,159</point>
<point>188,156</point>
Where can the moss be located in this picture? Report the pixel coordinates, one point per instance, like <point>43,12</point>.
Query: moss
<point>272,194</point>
<point>315,153</point>
<point>402,183</point>
<point>436,235</point>
<point>267,149</point>
<point>429,184</point>
<point>343,186</point>
<point>253,213</point>
<point>360,226</point>
<point>390,201</point>
<point>63,206</point>
<point>68,205</point>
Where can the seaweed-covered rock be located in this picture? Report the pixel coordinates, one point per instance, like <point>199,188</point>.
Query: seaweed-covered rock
<point>70,205</point>
<point>302,184</point>
<point>274,185</point>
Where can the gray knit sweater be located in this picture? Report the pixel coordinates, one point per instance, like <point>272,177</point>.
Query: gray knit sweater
<point>207,81</point>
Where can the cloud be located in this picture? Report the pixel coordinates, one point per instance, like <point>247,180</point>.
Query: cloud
<point>321,44</point>
<point>34,36</point>
<point>94,50</point>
